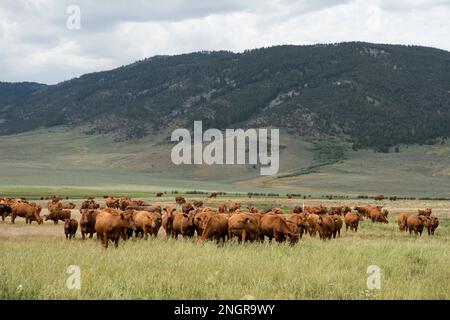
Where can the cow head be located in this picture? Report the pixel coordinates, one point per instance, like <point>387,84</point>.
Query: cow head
<point>190,218</point>
<point>169,212</point>
<point>187,207</point>
<point>126,219</point>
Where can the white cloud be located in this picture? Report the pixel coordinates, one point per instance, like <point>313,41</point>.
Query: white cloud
<point>36,45</point>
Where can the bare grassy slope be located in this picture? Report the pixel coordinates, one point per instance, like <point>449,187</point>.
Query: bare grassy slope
<point>69,158</point>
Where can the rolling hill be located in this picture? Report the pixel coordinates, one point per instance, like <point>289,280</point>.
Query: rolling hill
<point>372,95</point>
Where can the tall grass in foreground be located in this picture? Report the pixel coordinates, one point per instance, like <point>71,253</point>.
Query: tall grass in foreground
<point>412,268</point>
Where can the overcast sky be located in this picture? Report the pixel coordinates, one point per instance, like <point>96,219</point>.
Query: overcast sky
<point>36,45</point>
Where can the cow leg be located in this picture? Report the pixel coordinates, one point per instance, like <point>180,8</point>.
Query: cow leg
<point>105,240</point>
<point>145,233</point>
<point>244,236</point>
<point>116,242</point>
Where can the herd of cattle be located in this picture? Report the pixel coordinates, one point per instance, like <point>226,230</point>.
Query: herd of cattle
<point>123,217</point>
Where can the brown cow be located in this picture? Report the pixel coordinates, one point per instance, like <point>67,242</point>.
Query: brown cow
<point>431,223</point>
<point>197,203</point>
<point>416,224</point>
<point>234,206</point>
<point>401,221</point>
<point>326,227</point>
<point>274,226</point>
<point>200,219</point>
<point>87,222</point>
<point>183,223</point>
<point>300,221</point>
<point>377,216</point>
<point>180,200</point>
<point>213,195</point>
<point>275,211</point>
<point>112,202</point>
<point>57,214</point>
<point>146,223</point>
<point>159,194</point>
<point>345,209</point>
<point>187,207</point>
<point>313,223</point>
<point>29,211</point>
<point>252,209</point>
<point>297,209</point>
<point>379,197</point>
<point>222,208</point>
<point>5,210</point>
<point>127,202</point>
<point>316,209</point>
<point>148,208</point>
<point>244,226</point>
<point>425,212</point>
<point>89,204</point>
<point>110,224</point>
<point>70,228</point>
<point>351,221</point>
<point>167,219</point>
<point>337,225</point>
<point>68,205</point>
<point>365,210</point>
<point>216,227</point>
<point>335,210</point>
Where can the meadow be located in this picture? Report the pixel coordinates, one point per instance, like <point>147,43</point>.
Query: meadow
<point>62,158</point>
<point>35,258</point>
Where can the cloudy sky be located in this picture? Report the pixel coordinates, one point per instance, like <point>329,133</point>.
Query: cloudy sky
<point>37,45</point>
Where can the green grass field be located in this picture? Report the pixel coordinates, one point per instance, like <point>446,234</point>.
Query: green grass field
<point>35,259</point>
<point>61,158</point>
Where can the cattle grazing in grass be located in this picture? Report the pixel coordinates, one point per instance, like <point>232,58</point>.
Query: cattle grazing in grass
<point>244,226</point>
<point>275,227</point>
<point>431,223</point>
<point>415,224</point>
<point>351,221</point>
<point>109,225</point>
<point>215,228</point>
<point>424,212</point>
<point>5,210</point>
<point>57,214</point>
<point>401,221</point>
<point>197,203</point>
<point>167,219</point>
<point>87,222</point>
<point>70,228</point>
<point>183,223</point>
<point>180,200</point>
<point>29,211</point>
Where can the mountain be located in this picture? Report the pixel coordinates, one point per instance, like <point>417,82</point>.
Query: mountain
<point>372,95</point>
<point>12,94</point>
